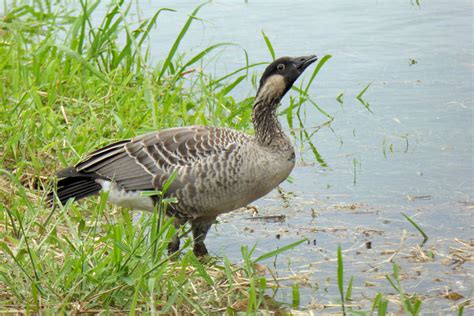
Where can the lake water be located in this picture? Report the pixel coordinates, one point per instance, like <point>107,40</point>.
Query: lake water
<point>414,154</point>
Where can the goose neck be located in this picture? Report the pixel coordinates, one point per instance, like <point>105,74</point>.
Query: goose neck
<point>268,130</point>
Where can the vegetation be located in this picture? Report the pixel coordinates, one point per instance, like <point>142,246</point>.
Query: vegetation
<point>69,87</point>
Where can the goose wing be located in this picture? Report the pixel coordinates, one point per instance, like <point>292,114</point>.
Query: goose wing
<point>146,161</point>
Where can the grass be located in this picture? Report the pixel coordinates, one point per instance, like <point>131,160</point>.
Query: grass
<point>411,305</point>
<point>418,228</point>
<point>67,88</point>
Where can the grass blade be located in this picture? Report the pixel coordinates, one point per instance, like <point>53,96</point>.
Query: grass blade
<point>408,218</point>
<point>7,250</point>
<point>359,96</point>
<point>200,55</point>
<point>201,270</point>
<point>278,251</point>
<point>150,24</point>
<point>306,98</point>
<point>231,86</point>
<point>349,289</point>
<point>362,101</point>
<point>383,307</point>
<point>247,67</point>
<point>340,278</point>
<point>315,151</point>
<point>83,61</point>
<point>177,42</point>
<point>316,71</point>
<point>269,45</point>
<point>295,291</point>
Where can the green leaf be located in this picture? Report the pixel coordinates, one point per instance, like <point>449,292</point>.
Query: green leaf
<point>5,247</point>
<point>83,61</point>
<point>316,71</point>
<point>408,218</point>
<point>269,45</point>
<point>151,23</point>
<point>167,64</point>
<point>201,270</point>
<point>246,68</point>
<point>340,97</point>
<point>278,251</point>
<point>151,193</point>
<point>200,55</point>
<point>389,279</point>
<point>295,291</point>
<point>169,181</point>
<point>230,87</point>
<point>340,277</point>
<point>170,200</point>
<point>383,306</point>
<point>362,101</point>
<point>349,289</point>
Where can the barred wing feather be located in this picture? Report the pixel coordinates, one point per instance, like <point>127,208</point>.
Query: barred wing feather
<point>145,162</point>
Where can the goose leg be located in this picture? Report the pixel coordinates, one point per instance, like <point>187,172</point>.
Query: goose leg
<point>200,227</point>
<point>173,245</point>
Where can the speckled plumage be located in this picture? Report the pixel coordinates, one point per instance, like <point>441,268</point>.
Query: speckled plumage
<point>218,169</point>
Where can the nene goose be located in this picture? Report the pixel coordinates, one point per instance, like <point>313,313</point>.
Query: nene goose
<point>218,169</point>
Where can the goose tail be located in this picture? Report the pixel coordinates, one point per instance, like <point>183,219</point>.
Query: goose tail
<point>74,185</point>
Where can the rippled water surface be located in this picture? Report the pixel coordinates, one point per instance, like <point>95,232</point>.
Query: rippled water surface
<point>413,154</point>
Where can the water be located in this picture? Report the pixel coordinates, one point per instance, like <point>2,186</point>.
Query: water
<point>414,154</point>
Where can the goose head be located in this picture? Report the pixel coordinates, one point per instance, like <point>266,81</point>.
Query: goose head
<point>280,75</point>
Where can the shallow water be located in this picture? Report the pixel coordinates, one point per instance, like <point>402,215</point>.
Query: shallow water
<point>414,154</point>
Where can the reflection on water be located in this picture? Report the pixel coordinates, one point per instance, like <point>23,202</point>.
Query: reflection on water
<point>412,152</point>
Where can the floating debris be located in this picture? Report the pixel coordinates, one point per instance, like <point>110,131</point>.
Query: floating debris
<point>269,219</point>
<point>418,197</point>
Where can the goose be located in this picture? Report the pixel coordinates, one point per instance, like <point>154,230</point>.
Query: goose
<point>217,170</point>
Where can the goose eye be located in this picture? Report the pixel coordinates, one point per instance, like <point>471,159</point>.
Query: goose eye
<point>281,67</point>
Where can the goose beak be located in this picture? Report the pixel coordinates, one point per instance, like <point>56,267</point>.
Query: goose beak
<point>303,62</point>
